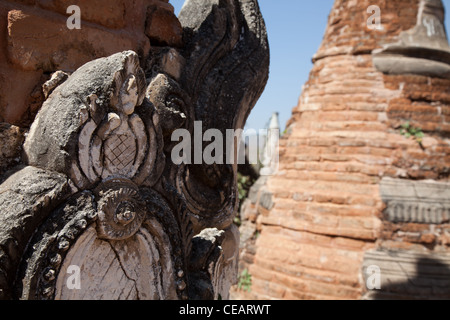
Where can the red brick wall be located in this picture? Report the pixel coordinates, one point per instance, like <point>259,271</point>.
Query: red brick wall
<point>343,138</point>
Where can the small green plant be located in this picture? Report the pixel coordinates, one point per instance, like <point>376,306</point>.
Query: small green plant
<point>244,184</point>
<point>245,281</point>
<point>408,131</point>
<point>237,220</point>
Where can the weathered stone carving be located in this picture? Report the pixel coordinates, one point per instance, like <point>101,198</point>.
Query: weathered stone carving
<point>101,192</point>
<point>416,201</point>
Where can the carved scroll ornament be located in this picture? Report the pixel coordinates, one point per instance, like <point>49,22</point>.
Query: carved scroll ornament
<point>100,191</point>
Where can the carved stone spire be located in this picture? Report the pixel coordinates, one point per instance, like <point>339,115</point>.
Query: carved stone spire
<point>270,152</point>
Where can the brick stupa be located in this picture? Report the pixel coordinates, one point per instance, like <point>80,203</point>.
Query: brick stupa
<point>35,42</point>
<point>362,185</point>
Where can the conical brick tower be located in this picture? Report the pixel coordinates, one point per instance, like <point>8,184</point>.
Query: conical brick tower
<point>360,206</point>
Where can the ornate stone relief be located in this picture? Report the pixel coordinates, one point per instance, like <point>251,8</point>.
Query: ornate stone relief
<point>410,273</point>
<point>101,192</point>
<point>425,202</point>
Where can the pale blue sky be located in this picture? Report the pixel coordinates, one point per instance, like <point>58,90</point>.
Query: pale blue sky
<point>295,29</point>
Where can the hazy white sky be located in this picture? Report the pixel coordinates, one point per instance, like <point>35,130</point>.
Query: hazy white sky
<point>295,29</point>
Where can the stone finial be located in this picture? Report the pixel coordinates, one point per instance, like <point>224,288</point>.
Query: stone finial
<point>430,28</point>
<point>422,50</point>
<point>270,152</point>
